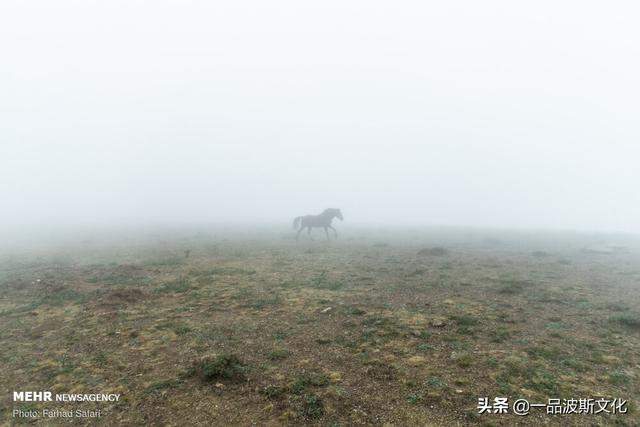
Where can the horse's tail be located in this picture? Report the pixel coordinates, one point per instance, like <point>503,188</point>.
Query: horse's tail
<point>296,222</point>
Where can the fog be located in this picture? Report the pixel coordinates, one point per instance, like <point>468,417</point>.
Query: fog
<point>487,114</point>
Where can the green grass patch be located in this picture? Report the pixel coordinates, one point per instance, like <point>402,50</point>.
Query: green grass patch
<point>414,398</point>
<point>544,352</point>
<point>172,261</point>
<point>260,303</point>
<point>619,378</point>
<point>182,329</point>
<point>617,306</point>
<point>464,360</point>
<point>321,281</point>
<point>227,271</point>
<point>273,391</point>
<point>630,320</point>
<point>308,379</point>
<point>512,287</point>
<point>464,320</point>
<point>355,311</point>
<point>312,407</point>
<point>435,382</point>
<point>159,386</point>
<point>424,347</point>
<point>544,382</point>
<point>499,335</point>
<point>63,297</point>
<point>225,366</point>
<point>278,354</point>
<point>492,362</point>
<point>180,285</point>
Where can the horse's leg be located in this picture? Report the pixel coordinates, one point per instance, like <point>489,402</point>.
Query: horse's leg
<point>334,231</point>
<point>298,233</point>
<point>326,232</point>
<point>309,232</point>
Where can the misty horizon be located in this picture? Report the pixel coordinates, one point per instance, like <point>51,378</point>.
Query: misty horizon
<point>435,115</point>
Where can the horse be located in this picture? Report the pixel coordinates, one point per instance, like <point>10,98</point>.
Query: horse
<point>323,220</point>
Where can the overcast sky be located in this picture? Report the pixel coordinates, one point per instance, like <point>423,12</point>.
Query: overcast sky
<point>492,113</point>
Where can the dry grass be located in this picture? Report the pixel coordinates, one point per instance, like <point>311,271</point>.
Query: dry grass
<point>360,331</point>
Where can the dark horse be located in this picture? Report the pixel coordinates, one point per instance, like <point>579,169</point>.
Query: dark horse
<point>323,220</point>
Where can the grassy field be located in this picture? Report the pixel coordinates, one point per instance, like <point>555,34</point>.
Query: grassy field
<point>404,327</point>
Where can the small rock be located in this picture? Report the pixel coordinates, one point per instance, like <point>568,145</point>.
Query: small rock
<point>438,322</point>
<point>437,251</point>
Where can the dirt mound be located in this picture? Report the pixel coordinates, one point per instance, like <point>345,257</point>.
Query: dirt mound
<point>122,274</point>
<point>50,287</point>
<point>436,251</point>
<point>123,296</point>
<point>381,371</point>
